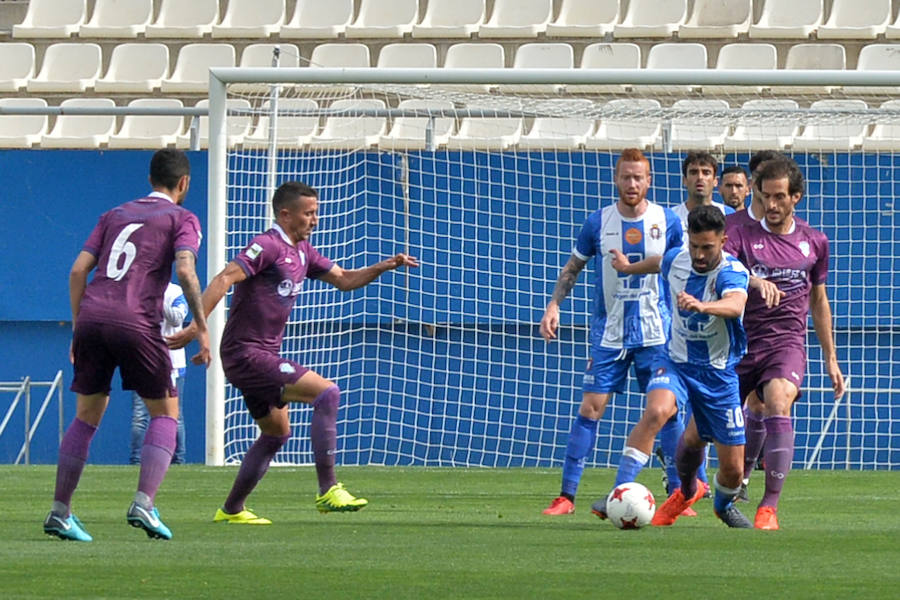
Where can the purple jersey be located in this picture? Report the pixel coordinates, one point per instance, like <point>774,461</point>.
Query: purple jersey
<point>262,303</point>
<point>794,261</point>
<point>135,245</point>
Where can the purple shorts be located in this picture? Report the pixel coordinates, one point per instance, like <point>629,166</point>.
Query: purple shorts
<point>141,356</point>
<point>761,366</point>
<point>260,375</point>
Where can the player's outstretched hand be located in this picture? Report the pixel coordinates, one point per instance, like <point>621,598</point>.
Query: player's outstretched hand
<point>202,357</point>
<point>182,338</point>
<point>769,291</point>
<point>549,323</point>
<point>619,262</point>
<point>837,378</point>
<point>403,260</point>
<point>688,302</point>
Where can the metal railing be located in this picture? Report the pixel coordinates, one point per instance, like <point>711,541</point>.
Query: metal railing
<point>22,390</point>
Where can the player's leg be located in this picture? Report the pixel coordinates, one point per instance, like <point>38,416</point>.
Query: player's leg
<point>661,408</point>
<point>688,457</point>
<point>778,397</point>
<point>140,418</point>
<point>728,484</point>
<point>755,429</point>
<point>179,457</point>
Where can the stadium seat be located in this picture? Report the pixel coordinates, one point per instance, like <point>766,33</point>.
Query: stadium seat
<point>409,133</point>
<point>885,135</point>
<point>81,131</point>
<point>672,55</point>
<point>184,19</point>
<point>744,56</point>
<point>67,67</point>
<point>561,132</point>
<point>703,129</point>
<point>813,56</point>
<point>584,18</point>
<point>651,18</point>
<point>487,133</point>
<point>191,72</point>
<point>149,131</point>
<point>450,19</point>
<point>314,19</point>
<point>352,132</point>
<point>475,55</point>
<point>624,130</point>
<point>407,55</point>
<point>384,19</point>
<point>16,65</point>
<point>292,131</point>
<point>22,131</point>
<point>839,135</point>
<point>763,131</point>
<point>118,19</point>
<point>340,55</point>
<point>51,19</point>
<point>617,55</point>
<point>788,19</point>
<point>260,55</point>
<point>856,20</point>
<point>137,67</point>
<point>876,57</point>
<point>517,19</point>
<point>893,30</point>
<point>250,19</point>
<point>541,55</point>
<point>237,129</point>
<point>717,19</point>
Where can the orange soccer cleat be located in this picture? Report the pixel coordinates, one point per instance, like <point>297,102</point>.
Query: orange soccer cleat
<point>560,506</point>
<point>674,506</point>
<point>766,518</point>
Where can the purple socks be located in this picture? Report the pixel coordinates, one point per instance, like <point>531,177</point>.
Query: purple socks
<point>779,454</point>
<point>755,429</point>
<point>688,461</point>
<point>253,467</point>
<point>156,454</point>
<point>73,453</point>
<point>323,433</point>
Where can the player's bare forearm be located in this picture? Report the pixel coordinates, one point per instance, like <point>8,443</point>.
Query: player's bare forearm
<point>78,276</point>
<point>621,264</point>
<point>729,306</point>
<point>190,285</point>
<point>567,279</point>
<point>820,308</point>
<point>347,280</point>
<point>768,290</point>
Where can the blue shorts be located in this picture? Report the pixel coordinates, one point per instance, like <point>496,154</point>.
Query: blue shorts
<point>714,397</point>
<point>607,369</point>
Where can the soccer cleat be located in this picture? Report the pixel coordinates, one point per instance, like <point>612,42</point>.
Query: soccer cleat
<point>689,512</point>
<point>732,517</point>
<point>337,499</point>
<point>149,521</point>
<point>598,508</point>
<point>244,517</point>
<point>743,494</point>
<point>766,518</point>
<point>560,506</point>
<point>66,528</point>
<point>706,491</point>
<point>661,457</point>
<point>673,507</point>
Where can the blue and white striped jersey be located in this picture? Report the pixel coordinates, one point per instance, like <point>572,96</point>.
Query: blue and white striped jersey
<point>698,339</point>
<point>682,212</point>
<point>630,311</point>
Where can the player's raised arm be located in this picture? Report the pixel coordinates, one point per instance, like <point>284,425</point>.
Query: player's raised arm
<point>564,284</point>
<point>621,264</point>
<point>820,309</point>
<point>351,279</point>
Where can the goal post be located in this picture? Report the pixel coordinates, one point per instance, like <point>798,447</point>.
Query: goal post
<point>488,184</point>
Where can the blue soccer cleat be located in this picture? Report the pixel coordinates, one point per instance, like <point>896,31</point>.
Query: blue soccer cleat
<point>149,521</point>
<point>66,528</point>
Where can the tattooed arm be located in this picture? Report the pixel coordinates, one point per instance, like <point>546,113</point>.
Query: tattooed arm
<point>564,284</point>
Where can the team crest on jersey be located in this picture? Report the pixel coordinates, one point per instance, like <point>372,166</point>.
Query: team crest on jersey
<point>286,368</point>
<point>634,236</point>
<point>804,248</point>
<point>655,232</point>
<point>285,288</point>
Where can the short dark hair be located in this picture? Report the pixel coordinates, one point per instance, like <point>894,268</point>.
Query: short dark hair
<point>734,169</point>
<point>762,156</point>
<point>167,167</point>
<point>288,192</point>
<point>699,158</point>
<point>706,217</point>
<point>781,168</point>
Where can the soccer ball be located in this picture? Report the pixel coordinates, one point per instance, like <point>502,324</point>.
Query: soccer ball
<point>630,506</point>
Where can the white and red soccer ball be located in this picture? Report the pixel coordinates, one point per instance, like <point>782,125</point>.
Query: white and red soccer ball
<point>630,506</point>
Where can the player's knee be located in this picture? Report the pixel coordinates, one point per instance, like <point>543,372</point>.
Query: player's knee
<point>328,400</point>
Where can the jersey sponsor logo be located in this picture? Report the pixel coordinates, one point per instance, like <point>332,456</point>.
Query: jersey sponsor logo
<point>804,248</point>
<point>633,236</point>
<point>253,251</point>
<point>784,274</point>
<point>287,368</point>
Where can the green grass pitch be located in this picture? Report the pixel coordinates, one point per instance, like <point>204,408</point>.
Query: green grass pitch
<point>444,533</point>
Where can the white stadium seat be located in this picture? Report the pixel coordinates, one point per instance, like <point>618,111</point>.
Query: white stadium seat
<point>541,55</point>
<point>314,19</point>
<point>292,131</point>
<point>816,56</point>
<point>250,19</point>
<point>486,133</point>
<point>876,57</point>
<point>67,67</point>
<point>16,65</point>
<point>450,19</point>
<point>885,135</point>
<point>191,72</point>
<point>475,55</point>
<point>559,132</point>
<point>836,134</point>
<point>407,55</point>
<point>652,18</point>
<point>893,30</point>
<point>184,19</point>
<point>626,132</point>
<point>149,131</point>
<point>584,18</point>
<point>856,20</point>
<point>717,19</point>
<point>517,19</point>
<point>765,133</point>
<point>118,19</point>
<point>700,131</point>
<point>672,55</point>
<point>135,67</point>
<point>788,19</point>
<point>51,19</point>
<point>238,125</point>
<point>353,131</point>
<point>22,131</point>
<point>260,55</point>
<point>740,55</point>
<point>340,55</point>
<point>384,19</point>
<point>81,131</point>
<point>409,133</point>
<point>616,55</point>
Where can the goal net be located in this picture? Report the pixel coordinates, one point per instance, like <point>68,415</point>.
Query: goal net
<point>488,185</point>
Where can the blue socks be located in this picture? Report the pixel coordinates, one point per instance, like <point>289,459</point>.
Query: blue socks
<point>668,441</point>
<point>581,442</point>
<point>630,465</point>
<point>724,497</point>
